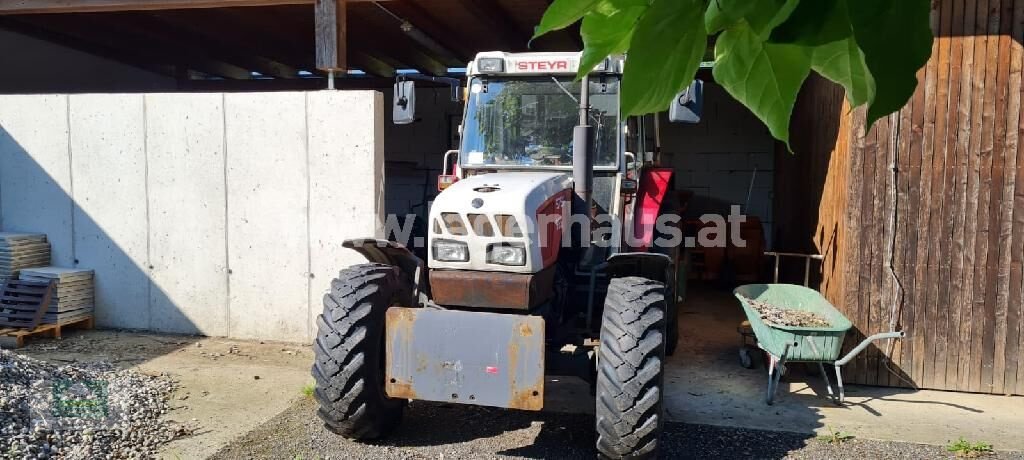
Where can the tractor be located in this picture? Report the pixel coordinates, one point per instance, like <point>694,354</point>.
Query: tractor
<point>544,258</point>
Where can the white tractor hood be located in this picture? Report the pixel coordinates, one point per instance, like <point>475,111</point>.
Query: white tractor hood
<point>518,194</point>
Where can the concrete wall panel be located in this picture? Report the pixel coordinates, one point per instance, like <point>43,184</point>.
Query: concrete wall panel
<point>109,163</point>
<point>346,181</point>
<point>268,248</point>
<point>35,170</point>
<point>200,213</point>
<point>185,151</point>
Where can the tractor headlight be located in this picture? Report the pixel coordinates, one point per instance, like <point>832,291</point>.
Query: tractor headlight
<point>506,254</point>
<point>490,65</point>
<point>450,251</point>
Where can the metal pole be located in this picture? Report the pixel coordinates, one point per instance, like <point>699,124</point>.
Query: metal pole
<point>807,272</point>
<point>330,79</point>
<point>582,153</point>
<point>585,100</point>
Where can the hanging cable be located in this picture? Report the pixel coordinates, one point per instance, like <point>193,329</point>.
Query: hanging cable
<point>898,293</point>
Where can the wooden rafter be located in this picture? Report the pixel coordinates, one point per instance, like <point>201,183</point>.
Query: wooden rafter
<point>371,65</point>
<point>401,52</point>
<point>91,6</point>
<point>497,21</point>
<point>187,49</point>
<point>223,45</point>
<point>426,21</point>
<point>127,38</point>
<point>62,38</point>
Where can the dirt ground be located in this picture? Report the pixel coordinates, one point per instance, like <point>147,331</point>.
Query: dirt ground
<point>444,431</point>
<point>247,400</point>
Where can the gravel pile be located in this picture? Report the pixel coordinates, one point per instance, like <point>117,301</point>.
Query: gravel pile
<point>119,411</point>
<point>785,317</point>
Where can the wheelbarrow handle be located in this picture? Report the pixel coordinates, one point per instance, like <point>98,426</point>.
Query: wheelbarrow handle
<point>864,344</point>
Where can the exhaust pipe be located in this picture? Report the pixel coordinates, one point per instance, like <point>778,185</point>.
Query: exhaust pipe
<point>583,154</point>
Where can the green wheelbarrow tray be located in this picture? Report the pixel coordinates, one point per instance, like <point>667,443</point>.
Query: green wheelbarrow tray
<point>821,345</point>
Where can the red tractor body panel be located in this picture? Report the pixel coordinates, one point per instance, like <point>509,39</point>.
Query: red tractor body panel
<point>654,184</point>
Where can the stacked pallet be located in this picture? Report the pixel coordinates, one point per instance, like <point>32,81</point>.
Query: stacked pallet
<point>73,294</point>
<point>22,250</point>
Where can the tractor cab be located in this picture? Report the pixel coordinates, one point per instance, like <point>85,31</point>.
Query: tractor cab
<point>541,260</point>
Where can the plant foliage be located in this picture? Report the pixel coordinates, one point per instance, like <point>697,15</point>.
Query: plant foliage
<point>763,49</point>
<point>966,449</point>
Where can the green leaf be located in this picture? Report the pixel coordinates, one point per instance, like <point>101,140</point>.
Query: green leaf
<point>562,14</point>
<point>664,54</point>
<point>843,62</point>
<point>608,30</point>
<point>760,15</point>
<point>765,77</point>
<point>813,23</point>
<point>896,39</point>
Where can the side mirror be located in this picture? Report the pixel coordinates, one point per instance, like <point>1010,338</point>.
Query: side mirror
<point>403,110</point>
<point>688,105</point>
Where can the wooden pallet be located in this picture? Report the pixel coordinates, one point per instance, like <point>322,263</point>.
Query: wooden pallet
<point>15,337</point>
<point>23,303</point>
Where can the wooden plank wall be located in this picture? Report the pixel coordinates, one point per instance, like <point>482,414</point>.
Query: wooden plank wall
<point>951,222</point>
<point>810,186</point>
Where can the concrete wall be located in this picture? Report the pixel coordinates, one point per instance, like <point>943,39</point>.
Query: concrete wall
<point>219,214</point>
<point>716,158</point>
<point>30,65</point>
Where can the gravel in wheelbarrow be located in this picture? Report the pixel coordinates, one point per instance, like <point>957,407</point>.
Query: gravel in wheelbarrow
<point>782,316</point>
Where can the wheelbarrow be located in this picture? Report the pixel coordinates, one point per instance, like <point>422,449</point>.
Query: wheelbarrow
<point>789,344</point>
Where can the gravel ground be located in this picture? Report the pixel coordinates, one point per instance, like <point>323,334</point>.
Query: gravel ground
<point>438,431</point>
<point>134,405</point>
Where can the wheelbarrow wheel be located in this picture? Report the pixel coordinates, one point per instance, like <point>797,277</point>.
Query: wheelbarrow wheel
<point>349,351</point>
<point>630,374</point>
<point>746,360</point>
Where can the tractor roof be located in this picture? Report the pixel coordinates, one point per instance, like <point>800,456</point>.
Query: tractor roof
<point>556,63</point>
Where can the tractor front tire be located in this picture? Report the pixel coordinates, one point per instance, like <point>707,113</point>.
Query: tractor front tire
<point>349,351</point>
<point>630,369</point>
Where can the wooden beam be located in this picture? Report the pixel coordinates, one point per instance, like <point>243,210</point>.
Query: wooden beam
<point>223,46</point>
<point>145,32</point>
<point>121,35</point>
<point>275,34</point>
<point>92,6</point>
<point>396,53</point>
<point>62,38</point>
<point>423,19</point>
<point>491,15</point>
<point>372,65</point>
<point>300,84</point>
<point>331,33</point>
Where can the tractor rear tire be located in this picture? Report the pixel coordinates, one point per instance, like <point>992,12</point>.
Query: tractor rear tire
<point>349,351</point>
<point>630,372</point>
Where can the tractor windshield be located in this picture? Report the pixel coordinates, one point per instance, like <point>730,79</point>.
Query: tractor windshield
<point>529,122</point>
